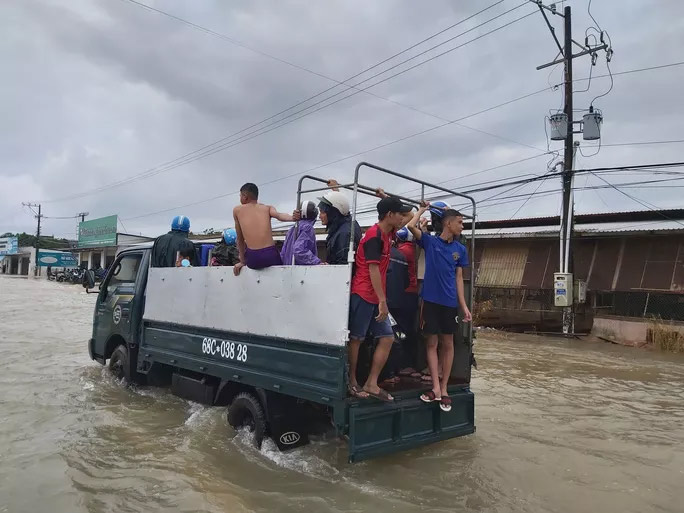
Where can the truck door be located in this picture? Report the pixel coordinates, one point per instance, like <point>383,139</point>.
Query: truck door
<point>115,303</point>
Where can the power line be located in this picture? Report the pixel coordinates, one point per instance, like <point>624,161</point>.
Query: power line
<point>650,206</point>
<point>225,143</point>
<point>637,143</point>
<point>638,70</point>
<point>337,82</point>
<point>354,155</point>
<point>422,132</point>
<point>297,66</point>
<point>627,72</point>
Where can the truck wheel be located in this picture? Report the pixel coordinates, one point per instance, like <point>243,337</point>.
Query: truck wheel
<point>118,364</point>
<point>246,411</point>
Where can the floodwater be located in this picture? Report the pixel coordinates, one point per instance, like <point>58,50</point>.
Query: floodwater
<point>561,426</point>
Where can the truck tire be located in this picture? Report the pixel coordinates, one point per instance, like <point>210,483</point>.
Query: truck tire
<point>118,364</point>
<point>246,411</point>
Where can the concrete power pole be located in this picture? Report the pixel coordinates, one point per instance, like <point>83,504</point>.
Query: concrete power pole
<point>568,171</point>
<point>563,281</point>
<point>39,216</point>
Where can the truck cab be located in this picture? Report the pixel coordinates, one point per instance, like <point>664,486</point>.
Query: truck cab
<point>269,345</point>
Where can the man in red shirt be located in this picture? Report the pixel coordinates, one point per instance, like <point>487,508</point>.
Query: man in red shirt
<point>368,311</point>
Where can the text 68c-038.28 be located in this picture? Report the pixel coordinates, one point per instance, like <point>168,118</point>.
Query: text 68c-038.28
<point>224,349</point>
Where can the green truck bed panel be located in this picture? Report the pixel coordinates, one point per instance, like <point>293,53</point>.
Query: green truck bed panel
<point>383,428</point>
<point>308,371</point>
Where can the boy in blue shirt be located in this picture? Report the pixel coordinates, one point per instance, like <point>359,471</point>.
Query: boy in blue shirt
<point>442,295</point>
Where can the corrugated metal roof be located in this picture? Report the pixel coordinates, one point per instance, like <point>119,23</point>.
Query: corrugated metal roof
<point>596,228</point>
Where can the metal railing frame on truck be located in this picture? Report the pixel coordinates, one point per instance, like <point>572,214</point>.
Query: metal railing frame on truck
<point>357,188</point>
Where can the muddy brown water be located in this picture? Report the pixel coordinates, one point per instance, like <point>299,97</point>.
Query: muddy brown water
<point>561,426</point>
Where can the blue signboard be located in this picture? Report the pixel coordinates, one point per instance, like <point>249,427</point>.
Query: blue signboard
<point>9,246</point>
<point>55,259</point>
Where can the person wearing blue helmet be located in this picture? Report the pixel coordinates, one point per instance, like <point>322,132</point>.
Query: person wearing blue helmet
<point>226,251</point>
<point>167,247</point>
<point>437,209</point>
<point>404,303</point>
<point>230,236</point>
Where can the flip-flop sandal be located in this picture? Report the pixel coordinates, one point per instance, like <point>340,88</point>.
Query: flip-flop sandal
<point>426,378</point>
<point>407,372</point>
<point>392,381</point>
<point>357,392</point>
<point>416,375</point>
<point>382,395</point>
<point>429,397</point>
<point>445,403</point>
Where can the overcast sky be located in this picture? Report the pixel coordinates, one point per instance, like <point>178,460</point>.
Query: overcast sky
<point>99,91</point>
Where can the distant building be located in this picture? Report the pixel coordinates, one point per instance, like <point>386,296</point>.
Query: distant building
<point>17,264</point>
<point>104,255</point>
<point>632,268</point>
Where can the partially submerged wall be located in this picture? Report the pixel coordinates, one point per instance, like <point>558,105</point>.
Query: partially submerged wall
<point>630,331</point>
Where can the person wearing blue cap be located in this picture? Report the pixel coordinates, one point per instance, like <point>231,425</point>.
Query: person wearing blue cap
<point>167,247</point>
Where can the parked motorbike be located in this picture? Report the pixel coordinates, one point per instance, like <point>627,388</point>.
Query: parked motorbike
<point>76,275</point>
<point>100,273</point>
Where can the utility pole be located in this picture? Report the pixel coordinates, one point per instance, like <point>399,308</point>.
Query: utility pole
<point>39,216</point>
<point>564,130</point>
<point>83,215</point>
<point>568,171</point>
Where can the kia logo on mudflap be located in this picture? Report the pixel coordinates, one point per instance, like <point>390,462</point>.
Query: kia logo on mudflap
<point>116,314</point>
<point>289,438</point>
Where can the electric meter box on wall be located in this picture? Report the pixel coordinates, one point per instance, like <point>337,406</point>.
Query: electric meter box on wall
<point>562,289</point>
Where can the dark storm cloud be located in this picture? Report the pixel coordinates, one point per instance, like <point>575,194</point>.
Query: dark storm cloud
<point>104,90</point>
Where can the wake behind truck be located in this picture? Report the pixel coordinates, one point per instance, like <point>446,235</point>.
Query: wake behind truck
<point>270,346</point>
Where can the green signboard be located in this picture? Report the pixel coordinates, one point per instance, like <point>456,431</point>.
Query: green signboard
<point>97,233</point>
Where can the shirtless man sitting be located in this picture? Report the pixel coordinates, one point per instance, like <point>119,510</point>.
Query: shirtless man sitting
<point>253,225</point>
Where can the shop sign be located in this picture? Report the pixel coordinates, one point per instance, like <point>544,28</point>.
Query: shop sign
<point>9,246</point>
<point>54,259</point>
<point>97,233</point>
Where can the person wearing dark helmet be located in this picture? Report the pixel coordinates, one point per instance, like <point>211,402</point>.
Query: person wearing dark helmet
<point>167,247</point>
<point>334,214</point>
<point>302,248</point>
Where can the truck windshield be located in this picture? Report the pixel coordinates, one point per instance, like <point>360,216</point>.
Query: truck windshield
<point>125,272</point>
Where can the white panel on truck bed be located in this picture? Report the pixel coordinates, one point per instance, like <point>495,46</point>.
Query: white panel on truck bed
<point>307,303</point>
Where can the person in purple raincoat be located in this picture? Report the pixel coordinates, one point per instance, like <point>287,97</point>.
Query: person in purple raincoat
<point>304,247</point>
